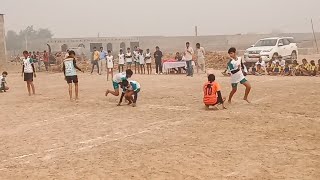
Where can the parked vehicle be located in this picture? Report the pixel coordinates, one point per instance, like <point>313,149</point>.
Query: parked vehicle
<point>271,48</point>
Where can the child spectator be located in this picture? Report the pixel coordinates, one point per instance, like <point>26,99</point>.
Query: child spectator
<point>270,67</point>
<point>286,71</point>
<point>277,69</point>
<point>313,68</point>
<point>3,82</point>
<point>304,68</point>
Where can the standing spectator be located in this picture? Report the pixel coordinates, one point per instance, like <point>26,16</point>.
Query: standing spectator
<point>148,61</point>
<point>188,55</point>
<point>158,59</point>
<point>201,63</point>
<point>129,58</point>
<point>46,59</point>
<point>102,61</point>
<point>38,60</point>
<point>121,57</point>
<point>96,56</point>
<point>136,59</point>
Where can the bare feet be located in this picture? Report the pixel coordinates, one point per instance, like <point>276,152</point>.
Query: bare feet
<point>107,92</point>
<point>246,100</point>
<point>207,108</point>
<point>134,105</point>
<point>129,103</point>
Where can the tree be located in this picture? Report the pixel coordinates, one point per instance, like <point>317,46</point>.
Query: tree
<point>13,41</point>
<point>44,34</point>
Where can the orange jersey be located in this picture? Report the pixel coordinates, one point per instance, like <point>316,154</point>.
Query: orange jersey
<point>210,93</point>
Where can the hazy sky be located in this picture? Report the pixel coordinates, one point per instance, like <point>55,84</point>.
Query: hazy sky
<point>86,18</point>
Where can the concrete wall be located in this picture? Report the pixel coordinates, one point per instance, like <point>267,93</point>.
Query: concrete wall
<point>2,41</point>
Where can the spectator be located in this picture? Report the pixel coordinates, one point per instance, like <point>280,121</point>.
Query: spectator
<point>313,68</point>
<point>282,62</point>
<point>304,68</point>
<point>46,59</point>
<point>96,56</point>
<point>38,60</point>
<point>200,58</point>
<point>270,67</point>
<point>189,56</point>
<point>277,69</point>
<point>294,68</point>
<point>287,70</point>
<point>262,65</point>
<point>318,67</point>
<point>260,70</point>
<point>158,60</point>
<point>102,60</point>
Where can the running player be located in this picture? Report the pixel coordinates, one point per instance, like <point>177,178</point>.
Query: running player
<point>117,80</point>
<point>234,67</point>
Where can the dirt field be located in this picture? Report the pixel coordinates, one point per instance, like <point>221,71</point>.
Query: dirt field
<point>168,136</point>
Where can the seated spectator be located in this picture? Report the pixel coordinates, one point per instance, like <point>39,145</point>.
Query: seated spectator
<point>270,67</point>
<point>287,70</point>
<point>304,68</point>
<point>318,67</point>
<point>3,82</point>
<point>294,68</point>
<point>313,68</point>
<point>178,57</point>
<point>262,64</point>
<point>260,70</point>
<point>282,62</point>
<point>276,69</point>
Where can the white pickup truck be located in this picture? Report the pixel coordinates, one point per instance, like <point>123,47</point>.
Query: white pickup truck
<point>271,48</point>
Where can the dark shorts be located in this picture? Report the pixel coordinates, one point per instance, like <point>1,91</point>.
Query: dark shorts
<point>72,79</point>
<point>28,77</point>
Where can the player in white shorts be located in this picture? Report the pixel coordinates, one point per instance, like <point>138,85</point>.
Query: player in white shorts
<point>142,62</point>
<point>129,58</point>
<point>148,61</point>
<point>121,57</point>
<point>110,65</point>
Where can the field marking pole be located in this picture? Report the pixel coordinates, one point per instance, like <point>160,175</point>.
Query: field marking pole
<point>314,35</point>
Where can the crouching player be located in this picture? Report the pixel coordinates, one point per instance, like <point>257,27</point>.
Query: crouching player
<point>130,92</point>
<point>212,93</point>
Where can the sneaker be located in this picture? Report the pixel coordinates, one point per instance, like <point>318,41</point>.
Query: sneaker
<point>161,73</point>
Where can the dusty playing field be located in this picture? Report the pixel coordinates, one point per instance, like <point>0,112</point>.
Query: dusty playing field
<point>168,136</point>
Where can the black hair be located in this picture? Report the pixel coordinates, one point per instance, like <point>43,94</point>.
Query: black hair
<point>5,73</point>
<point>129,72</point>
<point>109,51</point>
<point>211,78</point>
<point>72,52</point>
<point>128,48</point>
<point>125,83</point>
<point>198,44</point>
<point>25,52</point>
<point>157,47</point>
<point>94,47</point>
<point>187,43</point>
<point>312,62</point>
<point>101,47</point>
<point>232,50</point>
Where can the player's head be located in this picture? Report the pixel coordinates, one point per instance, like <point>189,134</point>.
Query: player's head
<point>72,54</point>
<point>25,54</point>
<point>125,83</point>
<point>4,73</point>
<point>129,73</point>
<point>109,52</point>
<point>187,44</point>
<point>121,51</point>
<point>128,49</point>
<point>304,61</point>
<point>94,48</point>
<point>148,50</point>
<point>295,62</point>
<point>141,51</point>
<point>312,63</point>
<point>277,63</point>
<point>259,66</point>
<point>157,48</point>
<point>211,78</point>
<point>232,52</point>
<point>198,45</point>
<point>101,48</point>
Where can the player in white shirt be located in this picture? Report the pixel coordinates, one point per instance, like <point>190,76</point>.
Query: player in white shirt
<point>235,69</point>
<point>129,58</point>
<point>121,57</point>
<point>200,58</point>
<point>148,59</point>
<point>28,72</point>
<point>117,81</point>
<point>110,65</point>
<point>142,62</point>
<point>136,59</point>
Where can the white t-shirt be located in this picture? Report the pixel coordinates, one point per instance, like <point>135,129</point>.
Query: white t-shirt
<point>28,65</point>
<point>235,65</point>
<point>109,62</point>
<point>188,55</point>
<point>201,52</point>
<point>121,59</point>
<point>141,59</point>
<point>129,57</point>
<point>148,57</point>
<point>118,78</point>
<point>283,63</point>
<point>262,63</point>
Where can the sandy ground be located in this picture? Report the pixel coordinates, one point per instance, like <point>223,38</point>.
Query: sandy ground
<point>168,136</point>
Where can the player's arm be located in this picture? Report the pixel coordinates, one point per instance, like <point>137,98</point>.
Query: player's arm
<point>75,65</point>
<point>34,70</point>
<point>64,69</point>
<point>22,70</point>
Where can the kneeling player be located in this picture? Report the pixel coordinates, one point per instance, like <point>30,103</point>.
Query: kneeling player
<point>212,93</point>
<point>130,92</point>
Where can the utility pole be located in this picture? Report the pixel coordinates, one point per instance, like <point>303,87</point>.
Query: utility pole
<point>196,30</point>
<point>314,35</point>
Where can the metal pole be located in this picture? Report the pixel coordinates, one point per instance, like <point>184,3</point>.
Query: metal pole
<point>314,35</point>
